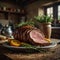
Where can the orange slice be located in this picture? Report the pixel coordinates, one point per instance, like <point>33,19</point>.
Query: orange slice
<point>48,40</point>
<point>15,43</point>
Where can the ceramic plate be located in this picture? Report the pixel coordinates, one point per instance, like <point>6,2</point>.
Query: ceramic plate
<point>53,44</point>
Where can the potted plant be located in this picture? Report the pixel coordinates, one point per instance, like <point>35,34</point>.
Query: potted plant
<point>45,24</point>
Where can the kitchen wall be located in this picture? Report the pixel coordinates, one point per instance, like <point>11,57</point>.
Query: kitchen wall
<point>36,8</point>
<point>9,4</point>
<point>3,19</point>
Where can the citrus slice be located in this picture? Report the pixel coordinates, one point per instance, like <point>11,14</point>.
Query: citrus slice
<point>48,40</point>
<point>15,43</point>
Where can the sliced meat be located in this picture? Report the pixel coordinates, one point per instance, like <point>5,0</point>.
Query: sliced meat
<point>37,37</point>
<point>30,35</point>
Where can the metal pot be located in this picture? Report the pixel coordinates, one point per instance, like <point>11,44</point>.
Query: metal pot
<point>7,31</point>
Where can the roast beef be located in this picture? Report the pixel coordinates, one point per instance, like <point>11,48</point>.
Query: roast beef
<point>30,35</point>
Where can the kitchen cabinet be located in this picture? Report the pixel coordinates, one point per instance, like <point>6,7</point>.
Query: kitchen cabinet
<point>55,32</point>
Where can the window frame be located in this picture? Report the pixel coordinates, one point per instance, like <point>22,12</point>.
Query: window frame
<point>58,11</point>
<point>55,11</point>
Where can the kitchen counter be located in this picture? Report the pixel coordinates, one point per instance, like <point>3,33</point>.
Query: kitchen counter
<point>55,27</point>
<point>49,54</point>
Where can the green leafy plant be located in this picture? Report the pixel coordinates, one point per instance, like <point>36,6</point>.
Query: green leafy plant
<point>43,19</point>
<point>26,23</point>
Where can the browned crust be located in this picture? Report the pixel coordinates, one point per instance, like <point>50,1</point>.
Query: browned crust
<point>23,35</point>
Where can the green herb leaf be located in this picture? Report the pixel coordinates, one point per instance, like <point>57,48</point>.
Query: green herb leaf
<point>43,18</point>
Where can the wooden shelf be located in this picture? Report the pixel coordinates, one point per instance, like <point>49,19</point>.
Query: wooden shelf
<point>12,10</point>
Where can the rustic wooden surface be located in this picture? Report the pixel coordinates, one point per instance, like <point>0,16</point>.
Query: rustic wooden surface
<point>50,54</point>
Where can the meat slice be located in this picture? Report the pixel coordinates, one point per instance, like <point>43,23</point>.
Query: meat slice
<point>37,37</point>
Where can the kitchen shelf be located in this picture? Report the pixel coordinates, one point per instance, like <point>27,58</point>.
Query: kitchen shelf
<point>15,12</point>
<point>12,13</point>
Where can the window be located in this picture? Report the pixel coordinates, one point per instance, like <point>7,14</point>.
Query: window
<point>50,12</point>
<point>54,12</point>
<point>58,12</point>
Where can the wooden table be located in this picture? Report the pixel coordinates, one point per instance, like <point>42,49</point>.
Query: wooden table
<point>50,54</point>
